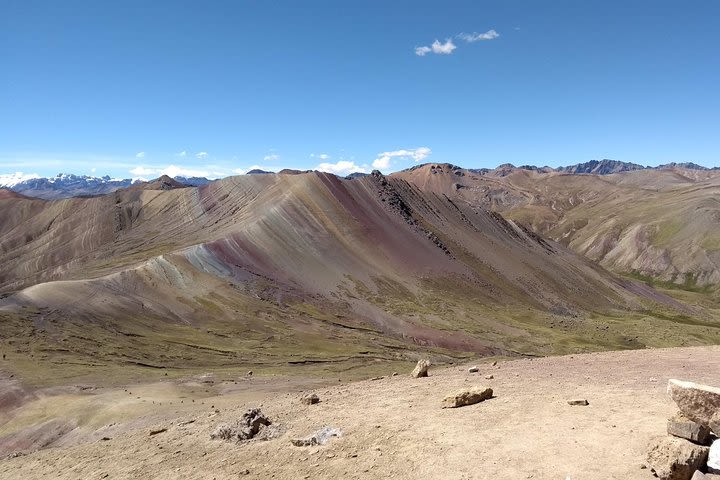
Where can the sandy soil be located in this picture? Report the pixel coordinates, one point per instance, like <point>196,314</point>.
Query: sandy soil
<point>394,427</point>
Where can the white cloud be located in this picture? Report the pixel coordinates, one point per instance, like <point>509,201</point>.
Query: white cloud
<point>142,171</point>
<point>93,169</point>
<point>140,155</point>
<point>443,48</point>
<point>175,171</point>
<point>448,47</point>
<point>239,171</point>
<point>437,48</point>
<point>343,167</point>
<point>271,158</point>
<point>182,154</point>
<point>201,154</point>
<point>171,171</point>
<point>12,179</point>
<point>475,37</point>
<point>382,161</point>
<point>264,168</point>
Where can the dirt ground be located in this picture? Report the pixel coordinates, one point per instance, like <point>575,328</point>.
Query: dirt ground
<point>392,427</point>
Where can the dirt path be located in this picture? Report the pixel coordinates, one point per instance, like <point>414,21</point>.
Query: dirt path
<point>394,427</point>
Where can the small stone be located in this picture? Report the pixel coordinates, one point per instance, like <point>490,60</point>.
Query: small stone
<point>421,369</point>
<point>158,430</point>
<point>473,369</point>
<point>489,377</point>
<point>681,426</point>
<point>494,364</point>
<point>672,458</point>
<point>249,373</point>
<point>579,401</point>
<point>310,399</point>
<point>321,437</point>
<point>467,396</point>
<point>394,374</point>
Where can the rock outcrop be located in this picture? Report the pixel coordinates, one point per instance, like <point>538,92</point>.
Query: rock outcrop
<point>699,403</point>
<point>672,458</point>
<point>244,429</point>
<point>681,426</point>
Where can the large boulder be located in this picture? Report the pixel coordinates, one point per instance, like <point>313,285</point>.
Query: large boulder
<point>421,369</point>
<point>672,458</point>
<point>467,396</point>
<point>681,426</point>
<point>699,403</point>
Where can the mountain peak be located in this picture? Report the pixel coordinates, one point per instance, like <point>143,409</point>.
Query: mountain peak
<point>602,167</point>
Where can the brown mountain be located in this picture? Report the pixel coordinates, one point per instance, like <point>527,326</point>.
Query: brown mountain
<point>6,194</point>
<point>656,223</point>
<point>274,271</point>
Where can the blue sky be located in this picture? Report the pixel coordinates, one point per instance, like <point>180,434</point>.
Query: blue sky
<point>131,88</point>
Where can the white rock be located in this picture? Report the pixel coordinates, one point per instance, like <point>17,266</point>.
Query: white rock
<point>713,463</point>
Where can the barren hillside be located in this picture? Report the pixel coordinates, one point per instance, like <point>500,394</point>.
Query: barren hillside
<point>278,272</point>
<point>390,427</point>
<point>657,224</point>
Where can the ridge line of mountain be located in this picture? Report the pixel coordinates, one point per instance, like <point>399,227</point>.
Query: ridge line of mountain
<point>66,185</point>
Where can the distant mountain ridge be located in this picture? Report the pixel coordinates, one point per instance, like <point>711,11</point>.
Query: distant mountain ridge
<point>67,185</point>
<point>594,167</point>
<point>659,223</point>
<point>602,167</point>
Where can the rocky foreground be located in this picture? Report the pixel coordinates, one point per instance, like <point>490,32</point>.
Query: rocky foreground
<point>591,416</point>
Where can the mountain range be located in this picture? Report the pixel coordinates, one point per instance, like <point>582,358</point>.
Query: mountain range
<point>305,269</point>
<point>659,224</point>
<point>67,185</point>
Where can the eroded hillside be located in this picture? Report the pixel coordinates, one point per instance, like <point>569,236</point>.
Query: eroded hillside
<point>656,224</point>
<point>277,272</point>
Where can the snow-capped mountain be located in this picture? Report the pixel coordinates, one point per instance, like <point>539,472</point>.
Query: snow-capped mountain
<point>9,180</point>
<point>66,185</point>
